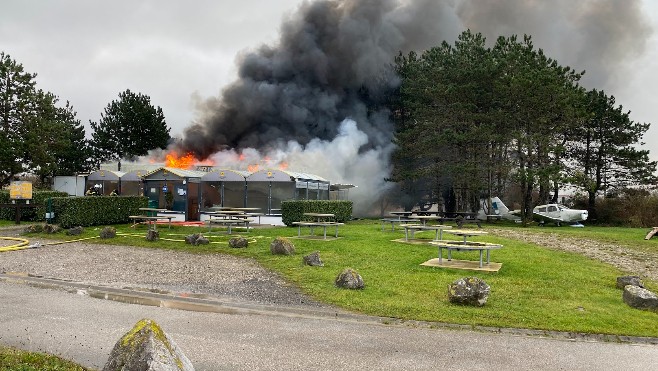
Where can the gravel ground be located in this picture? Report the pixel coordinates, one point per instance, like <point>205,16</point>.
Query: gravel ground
<point>635,262</point>
<point>215,275</point>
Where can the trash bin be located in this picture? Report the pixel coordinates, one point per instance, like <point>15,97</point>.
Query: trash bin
<point>153,204</point>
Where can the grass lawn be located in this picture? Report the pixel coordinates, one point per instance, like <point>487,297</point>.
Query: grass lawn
<point>15,359</point>
<point>536,288</point>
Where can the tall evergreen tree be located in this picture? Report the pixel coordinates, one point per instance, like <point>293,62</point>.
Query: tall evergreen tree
<point>129,127</point>
<point>602,152</point>
<point>16,105</point>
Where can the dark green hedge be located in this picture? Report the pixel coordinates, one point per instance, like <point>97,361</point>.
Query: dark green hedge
<point>96,210</point>
<point>293,211</point>
<point>37,214</point>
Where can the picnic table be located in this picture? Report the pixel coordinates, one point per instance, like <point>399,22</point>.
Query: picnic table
<point>318,220</point>
<point>437,228</point>
<point>400,217</point>
<point>228,218</point>
<point>465,245</point>
<point>150,217</point>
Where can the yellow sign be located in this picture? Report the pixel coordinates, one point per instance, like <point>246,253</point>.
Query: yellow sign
<point>20,191</point>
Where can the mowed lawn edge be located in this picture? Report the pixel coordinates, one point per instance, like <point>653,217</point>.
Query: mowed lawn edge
<point>536,288</point>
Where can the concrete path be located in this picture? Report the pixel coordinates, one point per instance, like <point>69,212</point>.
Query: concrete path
<point>77,326</point>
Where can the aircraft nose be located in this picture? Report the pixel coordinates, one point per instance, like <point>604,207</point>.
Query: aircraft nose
<point>585,214</point>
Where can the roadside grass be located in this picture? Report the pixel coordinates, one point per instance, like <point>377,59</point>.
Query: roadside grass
<point>536,288</point>
<point>15,359</point>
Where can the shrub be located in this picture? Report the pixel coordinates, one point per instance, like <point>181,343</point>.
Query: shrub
<point>96,210</point>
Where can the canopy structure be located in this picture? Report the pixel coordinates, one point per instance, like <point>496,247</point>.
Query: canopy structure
<point>266,189</point>
<point>339,191</point>
<point>174,189</point>
<point>103,182</point>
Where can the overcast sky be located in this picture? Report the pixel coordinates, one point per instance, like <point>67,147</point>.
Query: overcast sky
<point>181,52</point>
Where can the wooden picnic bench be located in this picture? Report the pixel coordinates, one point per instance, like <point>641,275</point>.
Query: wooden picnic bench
<point>312,225</point>
<point>149,220</point>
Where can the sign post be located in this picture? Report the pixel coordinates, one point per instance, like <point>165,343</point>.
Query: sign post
<point>19,191</point>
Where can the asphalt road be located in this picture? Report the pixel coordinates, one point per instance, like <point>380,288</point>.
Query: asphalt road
<point>84,329</point>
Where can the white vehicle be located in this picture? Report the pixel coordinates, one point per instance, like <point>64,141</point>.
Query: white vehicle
<point>549,213</point>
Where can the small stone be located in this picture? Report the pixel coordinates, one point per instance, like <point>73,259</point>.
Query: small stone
<point>313,259</point>
<point>640,298</point>
<point>350,279</point>
<point>623,281</point>
<point>469,291</point>
<point>282,246</point>
<point>152,235</point>
<point>75,231</point>
<point>196,239</point>
<point>108,232</point>
<point>238,242</point>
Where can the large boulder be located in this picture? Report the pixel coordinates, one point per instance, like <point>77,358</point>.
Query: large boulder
<point>469,291</point>
<point>282,246</point>
<point>147,347</point>
<point>350,279</point>
<point>238,242</point>
<point>52,228</point>
<point>623,281</point>
<point>640,298</point>
<point>313,259</point>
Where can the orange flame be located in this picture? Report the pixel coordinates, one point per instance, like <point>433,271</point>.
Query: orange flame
<point>283,166</point>
<point>253,168</point>
<point>180,162</point>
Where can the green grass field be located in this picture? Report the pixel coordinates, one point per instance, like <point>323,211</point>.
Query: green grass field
<point>536,288</point>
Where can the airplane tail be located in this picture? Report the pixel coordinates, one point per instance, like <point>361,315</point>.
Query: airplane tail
<point>498,207</point>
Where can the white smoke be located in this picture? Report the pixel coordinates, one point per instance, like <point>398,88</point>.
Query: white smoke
<point>347,158</point>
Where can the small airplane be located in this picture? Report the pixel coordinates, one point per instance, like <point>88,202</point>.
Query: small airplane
<point>549,213</point>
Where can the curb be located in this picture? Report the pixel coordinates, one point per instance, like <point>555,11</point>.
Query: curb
<point>227,306</point>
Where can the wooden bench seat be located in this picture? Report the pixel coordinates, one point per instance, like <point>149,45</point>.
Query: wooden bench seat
<point>397,220</point>
<point>312,225</point>
<point>229,223</point>
<point>438,229</point>
<point>462,221</point>
<point>149,219</point>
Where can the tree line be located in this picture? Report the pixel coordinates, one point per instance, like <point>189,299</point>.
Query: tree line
<point>474,121</point>
<point>39,135</point>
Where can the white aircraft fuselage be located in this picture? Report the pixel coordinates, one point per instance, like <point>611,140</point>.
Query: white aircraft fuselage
<point>556,213</point>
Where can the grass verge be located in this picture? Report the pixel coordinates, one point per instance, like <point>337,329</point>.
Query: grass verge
<point>15,359</point>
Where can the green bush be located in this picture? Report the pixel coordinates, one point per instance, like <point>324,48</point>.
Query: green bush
<point>96,210</point>
<point>36,214</point>
<point>293,211</point>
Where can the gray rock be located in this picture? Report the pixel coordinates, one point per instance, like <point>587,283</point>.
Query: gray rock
<point>238,242</point>
<point>640,298</point>
<point>75,231</point>
<point>108,232</point>
<point>313,259</point>
<point>196,239</point>
<point>350,279</point>
<point>469,291</point>
<point>282,246</point>
<point>52,228</point>
<point>623,281</point>
<point>152,235</point>
<point>34,228</point>
<point>147,347</point>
